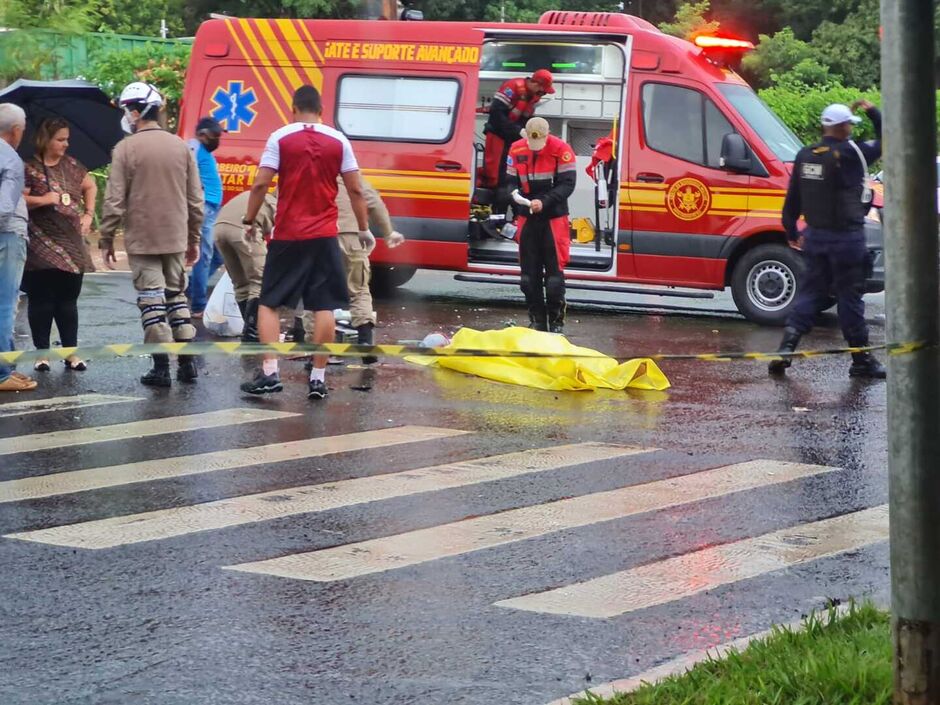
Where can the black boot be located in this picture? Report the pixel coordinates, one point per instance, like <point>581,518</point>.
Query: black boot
<point>298,334</point>
<point>556,321</point>
<point>791,338</point>
<point>538,322</point>
<point>187,371</point>
<point>865,365</point>
<point>159,375</point>
<point>250,316</point>
<point>366,337</point>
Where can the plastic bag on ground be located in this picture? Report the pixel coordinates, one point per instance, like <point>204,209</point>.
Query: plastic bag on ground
<point>222,316</point>
<point>551,373</point>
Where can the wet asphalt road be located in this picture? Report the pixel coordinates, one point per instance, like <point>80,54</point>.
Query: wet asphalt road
<point>160,621</point>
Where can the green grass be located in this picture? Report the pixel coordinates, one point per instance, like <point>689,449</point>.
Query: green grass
<point>834,660</point>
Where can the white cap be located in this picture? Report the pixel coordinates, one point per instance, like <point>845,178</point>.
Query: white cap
<point>536,133</point>
<point>838,114</point>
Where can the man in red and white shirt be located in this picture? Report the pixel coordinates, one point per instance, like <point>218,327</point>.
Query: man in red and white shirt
<point>304,260</point>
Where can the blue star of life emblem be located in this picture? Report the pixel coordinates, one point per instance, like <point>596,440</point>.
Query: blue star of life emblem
<point>233,106</point>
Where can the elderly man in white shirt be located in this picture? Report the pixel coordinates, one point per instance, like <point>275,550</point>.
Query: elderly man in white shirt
<point>13,221</point>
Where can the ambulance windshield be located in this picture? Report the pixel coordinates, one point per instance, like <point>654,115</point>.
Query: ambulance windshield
<point>762,120</point>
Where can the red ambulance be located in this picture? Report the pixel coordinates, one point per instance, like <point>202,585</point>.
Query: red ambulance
<point>695,192</point>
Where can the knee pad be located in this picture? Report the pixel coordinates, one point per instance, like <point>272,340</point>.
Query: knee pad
<point>555,287</point>
<point>177,311</point>
<point>152,305</point>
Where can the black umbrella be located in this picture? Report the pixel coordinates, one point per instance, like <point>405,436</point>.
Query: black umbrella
<point>94,123</point>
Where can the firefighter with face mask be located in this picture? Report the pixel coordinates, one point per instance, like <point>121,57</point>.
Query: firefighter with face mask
<point>154,195</point>
<point>542,173</point>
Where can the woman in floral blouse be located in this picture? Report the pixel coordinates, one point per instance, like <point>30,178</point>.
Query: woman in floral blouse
<point>60,195</point>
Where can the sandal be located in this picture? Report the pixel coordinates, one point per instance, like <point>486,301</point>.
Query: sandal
<point>42,366</point>
<point>75,364</point>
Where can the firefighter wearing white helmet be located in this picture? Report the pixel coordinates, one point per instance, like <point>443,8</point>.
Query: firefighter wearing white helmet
<point>155,196</point>
<point>141,101</point>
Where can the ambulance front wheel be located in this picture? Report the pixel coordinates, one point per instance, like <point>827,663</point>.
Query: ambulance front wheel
<point>385,279</point>
<point>765,281</point>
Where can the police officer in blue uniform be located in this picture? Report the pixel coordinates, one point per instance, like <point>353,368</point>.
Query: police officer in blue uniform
<point>828,187</point>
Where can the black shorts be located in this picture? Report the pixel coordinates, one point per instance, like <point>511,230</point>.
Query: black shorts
<point>311,271</point>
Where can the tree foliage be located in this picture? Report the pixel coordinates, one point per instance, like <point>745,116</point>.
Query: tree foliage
<point>851,47</point>
<point>136,17</point>
<point>162,65</point>
<point>60,15</point>
<point>27,52</point>
<point>531,10</point>
<point>778,53</point>
<point>800,106</point>
<point>691,20</point>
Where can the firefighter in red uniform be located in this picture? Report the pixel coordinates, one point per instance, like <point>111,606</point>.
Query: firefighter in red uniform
<point>513,104</point>
<point>542,168</point>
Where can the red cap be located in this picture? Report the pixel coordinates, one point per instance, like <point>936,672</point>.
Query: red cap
<point>544,77</point>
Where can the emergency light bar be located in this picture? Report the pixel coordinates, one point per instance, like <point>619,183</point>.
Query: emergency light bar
<point>724,52</point>
<point>704,41</point>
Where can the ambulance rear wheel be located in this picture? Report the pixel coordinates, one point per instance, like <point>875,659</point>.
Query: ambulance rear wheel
<point>386,279</point>
<point>765,281</point>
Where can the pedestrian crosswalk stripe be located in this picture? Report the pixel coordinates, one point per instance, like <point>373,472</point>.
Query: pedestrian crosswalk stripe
<point>147,470</point>
<point>79,401</point>
<point>165,523</point>
<point>137,429</point>
<point>388,553</point>
<point>686,575</point>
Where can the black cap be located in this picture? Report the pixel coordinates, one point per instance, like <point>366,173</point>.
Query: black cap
<point>209,124</point>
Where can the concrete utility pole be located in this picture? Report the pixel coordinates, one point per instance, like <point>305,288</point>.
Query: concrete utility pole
<point>913,304</point>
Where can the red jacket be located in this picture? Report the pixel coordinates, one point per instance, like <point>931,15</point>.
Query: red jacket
<point>548,175</point>
<point>512,106</point>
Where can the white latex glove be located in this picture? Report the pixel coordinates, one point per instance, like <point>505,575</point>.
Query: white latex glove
<point>367,239</point>
<point>394,240</point>
<point>520,199</point>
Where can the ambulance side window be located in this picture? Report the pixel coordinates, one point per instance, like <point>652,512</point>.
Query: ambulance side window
<point>683,123</point>
<point>397,108</point>
<point>716,127</point>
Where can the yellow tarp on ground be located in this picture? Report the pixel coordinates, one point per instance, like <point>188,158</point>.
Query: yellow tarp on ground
<point>557,374</point>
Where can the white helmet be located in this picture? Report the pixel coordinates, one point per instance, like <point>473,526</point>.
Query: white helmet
<point>140,92</point>
<point>143,98</point>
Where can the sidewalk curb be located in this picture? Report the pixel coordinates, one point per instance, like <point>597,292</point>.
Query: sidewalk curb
<point>682,664</point>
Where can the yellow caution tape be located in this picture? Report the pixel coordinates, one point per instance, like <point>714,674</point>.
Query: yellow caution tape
<point>352,350</point>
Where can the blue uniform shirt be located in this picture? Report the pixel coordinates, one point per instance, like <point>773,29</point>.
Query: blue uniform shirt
<point>208,173</point>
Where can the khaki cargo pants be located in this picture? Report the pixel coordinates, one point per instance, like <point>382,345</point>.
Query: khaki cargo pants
<point>358,274</point>
<point>160,281</point>
<point>244,261</point>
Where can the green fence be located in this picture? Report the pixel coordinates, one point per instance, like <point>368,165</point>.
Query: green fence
<point>65,55</point>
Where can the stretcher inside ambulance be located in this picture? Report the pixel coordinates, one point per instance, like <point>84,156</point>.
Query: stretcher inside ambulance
<point>699,171</point>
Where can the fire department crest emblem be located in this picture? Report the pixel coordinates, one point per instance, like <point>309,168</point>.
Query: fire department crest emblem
<point>688,199</point>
